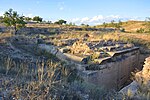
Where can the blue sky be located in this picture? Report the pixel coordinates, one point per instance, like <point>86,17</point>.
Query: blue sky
<point>80,11</point>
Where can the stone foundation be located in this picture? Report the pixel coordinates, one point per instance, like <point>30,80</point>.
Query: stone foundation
<point>114,74</point>
<point>111,72</point>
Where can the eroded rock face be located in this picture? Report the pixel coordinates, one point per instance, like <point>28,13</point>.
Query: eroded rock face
<point>141,84</point>
<point>133,87</point>
<point>143,77</point>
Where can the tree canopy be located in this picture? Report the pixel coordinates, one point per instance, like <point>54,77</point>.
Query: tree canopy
<point>1,17</point>
<point>37,19</point>
<point>27,18</point>
<point>12,19</point>
<point>60,22</point>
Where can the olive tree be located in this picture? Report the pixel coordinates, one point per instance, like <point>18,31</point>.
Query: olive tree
<point>12,19</point>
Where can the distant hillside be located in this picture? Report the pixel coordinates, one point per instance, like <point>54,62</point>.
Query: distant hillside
<point>129,26</point>
<point>133,26</point>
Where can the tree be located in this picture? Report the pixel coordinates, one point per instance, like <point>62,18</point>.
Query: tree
<point>12,19</point>
<point>148,22</point>
<point>120,22</point>
<point>112,23</point>
<point>82,24</point>
<point>74,24</point>
<point>27,18</point>
<point>70,24</point>
<point>49,22</point>
<point>105,25</point>
<point>87,25</point>
<point>60,22</point>
<point>1,18</point>
<point>37,19</point>
<point>117,25</point>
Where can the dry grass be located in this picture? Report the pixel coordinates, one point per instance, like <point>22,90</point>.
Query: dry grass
<point>142,39</point>
<point>132,26</point>
<point>47,81</point>
<point>5,35</point>
<point>50,81</point>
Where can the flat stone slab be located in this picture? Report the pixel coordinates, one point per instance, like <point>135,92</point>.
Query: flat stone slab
<point>89,73</point>
<point>102,59</point>
<point>122,51</point>
<point>73,57</point>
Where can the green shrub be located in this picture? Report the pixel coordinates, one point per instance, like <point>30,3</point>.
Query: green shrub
<point>141,30</point>
<point>122,29</point>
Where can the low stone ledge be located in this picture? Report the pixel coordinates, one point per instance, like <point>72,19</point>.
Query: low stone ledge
<point>73,57</point>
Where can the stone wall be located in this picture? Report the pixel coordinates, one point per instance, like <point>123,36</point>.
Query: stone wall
<point>114,75</point>
<point>111,73</point>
